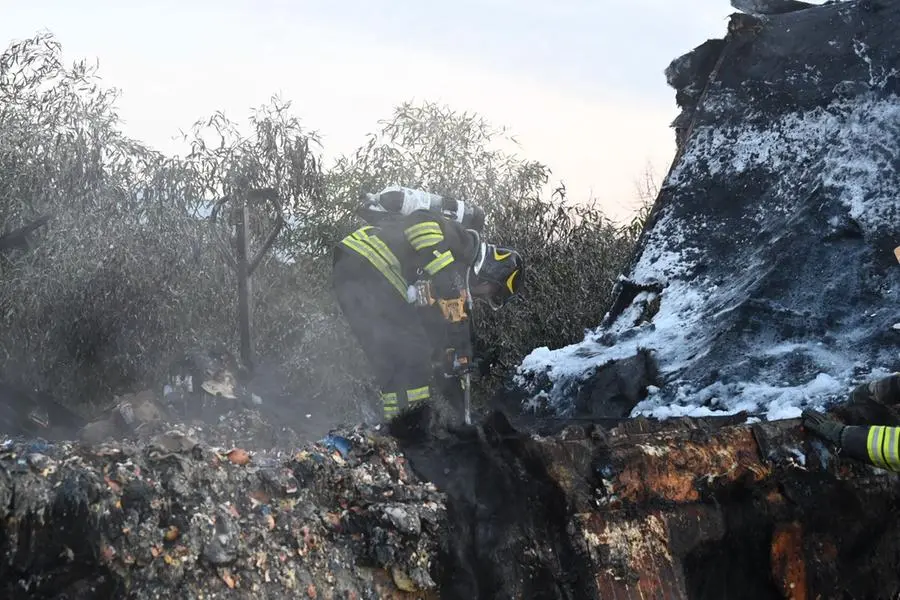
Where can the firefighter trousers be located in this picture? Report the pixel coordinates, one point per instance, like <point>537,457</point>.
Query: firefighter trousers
<point>388,329</point>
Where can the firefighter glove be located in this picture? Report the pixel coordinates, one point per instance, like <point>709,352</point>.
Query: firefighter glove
<point>459,363</point>
<point>823,427</point>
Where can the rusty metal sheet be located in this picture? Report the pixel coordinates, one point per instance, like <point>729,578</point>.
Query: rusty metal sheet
<point>632,556</point>
<point>670,469</point>
<point>788,564</point>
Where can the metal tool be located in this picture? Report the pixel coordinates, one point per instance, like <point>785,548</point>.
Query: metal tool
<point>467,394</point>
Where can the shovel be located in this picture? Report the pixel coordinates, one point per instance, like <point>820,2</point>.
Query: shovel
<point>467,397</point>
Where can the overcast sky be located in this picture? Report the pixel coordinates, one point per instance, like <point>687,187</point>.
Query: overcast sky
<point>580,82</point>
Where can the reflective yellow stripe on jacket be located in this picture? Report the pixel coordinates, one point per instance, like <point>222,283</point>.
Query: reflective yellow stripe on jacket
<point>424,235</point>
<point>884,447</point>
<point>428,234</point>
<point>441,260</point>
<point>376,252</point>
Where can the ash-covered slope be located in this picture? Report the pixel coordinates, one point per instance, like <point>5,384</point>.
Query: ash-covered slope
<point>765,279</point>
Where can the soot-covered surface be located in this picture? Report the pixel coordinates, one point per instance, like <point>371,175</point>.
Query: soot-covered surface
<point>765,279</point>
<point>688,508</point>
<point>509,533</point>
<point>685,508</point>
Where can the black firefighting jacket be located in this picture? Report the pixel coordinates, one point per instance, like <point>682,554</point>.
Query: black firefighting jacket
<point>421,246</point>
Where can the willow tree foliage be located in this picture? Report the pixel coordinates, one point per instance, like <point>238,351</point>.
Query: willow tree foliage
<point>128,272</point>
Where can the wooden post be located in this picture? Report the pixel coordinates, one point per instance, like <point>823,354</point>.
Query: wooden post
<point>244,284</point>
<point>243,264</point>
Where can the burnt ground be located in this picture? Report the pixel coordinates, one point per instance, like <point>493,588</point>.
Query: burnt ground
<point>508,515</point>
<point>688,508</point>
<point>749,512</point>
<point>534,507</point>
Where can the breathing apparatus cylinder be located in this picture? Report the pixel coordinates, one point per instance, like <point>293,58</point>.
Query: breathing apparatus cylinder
<point>395,201</point>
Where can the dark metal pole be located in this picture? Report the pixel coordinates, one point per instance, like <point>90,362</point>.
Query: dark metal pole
<point>244,282</point>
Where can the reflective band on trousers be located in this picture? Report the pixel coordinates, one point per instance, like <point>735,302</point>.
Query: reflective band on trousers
<point>391,407</point>
<point>883,444</point>
<point>391,400</point>
<point>376,252</point>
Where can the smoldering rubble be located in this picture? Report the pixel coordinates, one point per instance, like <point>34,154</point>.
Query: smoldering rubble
<point>688,508</point>
<point>174,516</point>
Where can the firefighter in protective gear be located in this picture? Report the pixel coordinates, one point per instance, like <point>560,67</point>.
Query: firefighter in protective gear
<point>878,445</point>
<point>406,288</point>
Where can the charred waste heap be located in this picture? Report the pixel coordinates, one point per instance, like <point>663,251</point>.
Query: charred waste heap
<point>764,280</point>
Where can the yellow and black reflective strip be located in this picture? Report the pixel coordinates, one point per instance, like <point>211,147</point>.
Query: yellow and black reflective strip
<point>440,261</point>
<point>883,444</point>
<point>424,235</point>
<point>510,281</point>
<point>391,406</point>
<point>418,394</point>
<point>376,252</point>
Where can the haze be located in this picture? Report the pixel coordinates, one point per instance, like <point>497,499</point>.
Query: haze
<point>579,82</point>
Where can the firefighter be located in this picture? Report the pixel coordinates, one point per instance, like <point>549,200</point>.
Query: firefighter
<point>406,288</point>
<point>878,445</point>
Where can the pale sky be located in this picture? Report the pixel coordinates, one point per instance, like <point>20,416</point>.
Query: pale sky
<point>579,82</point>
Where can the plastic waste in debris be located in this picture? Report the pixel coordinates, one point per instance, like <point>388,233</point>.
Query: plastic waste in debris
<point>336,442</point>
<point>38,446</point>
<point>222,386</point>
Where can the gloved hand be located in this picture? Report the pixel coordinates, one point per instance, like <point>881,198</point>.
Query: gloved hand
<point>822,426</point>
<point>458,363</point>
<point>459,348</point>
<point>463,364</point>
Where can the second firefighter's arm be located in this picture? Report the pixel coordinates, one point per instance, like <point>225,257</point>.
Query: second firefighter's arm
<point>876,444</point>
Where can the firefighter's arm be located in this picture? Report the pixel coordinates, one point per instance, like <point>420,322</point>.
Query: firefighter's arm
<point>438,248</point>
<point>876,444</point>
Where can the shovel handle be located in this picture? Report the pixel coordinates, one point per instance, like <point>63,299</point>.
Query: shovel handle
<point>467,394</point>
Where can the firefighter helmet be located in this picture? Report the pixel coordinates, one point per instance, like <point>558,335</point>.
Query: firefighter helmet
<point>500,266</point>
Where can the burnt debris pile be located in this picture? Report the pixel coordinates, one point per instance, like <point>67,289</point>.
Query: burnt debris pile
<point>689,508</point>
<point>174,516</point>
